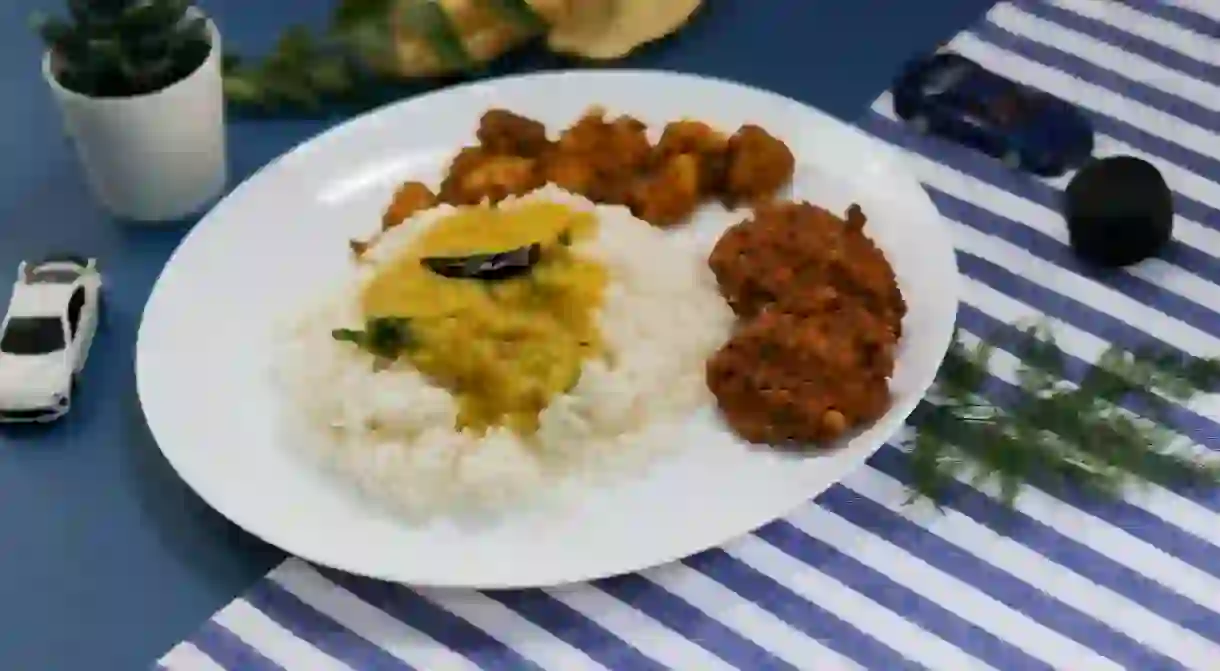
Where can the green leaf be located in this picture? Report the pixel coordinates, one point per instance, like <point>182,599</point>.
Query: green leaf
<point>348,335</point>
<point>194,29</point>
<point>1037,348</point>
<point>296,47</point>
<point>59,36</point>
<point>153,18</point>
<point>282,88</point>
<point>285,75</point>
<point>1054,433</point>
<point>389,336</point>
<point>928,460</point>
<point>82,11</point>
<point>373,43</point>
<point>963,371</point>
<point>383,337</point>
<point>242,87</point>
<point>353,14</point>
<point>331,76</point>
<point>428,20</point>
<point>231,63</point>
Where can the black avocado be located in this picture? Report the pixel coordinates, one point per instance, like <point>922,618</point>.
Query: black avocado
<point>1119,211</point>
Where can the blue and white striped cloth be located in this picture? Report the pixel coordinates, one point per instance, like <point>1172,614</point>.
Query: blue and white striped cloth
<point>855,579</point>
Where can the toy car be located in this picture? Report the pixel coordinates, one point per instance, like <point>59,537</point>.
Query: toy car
<point>45,337</point>
<point>949,95</point>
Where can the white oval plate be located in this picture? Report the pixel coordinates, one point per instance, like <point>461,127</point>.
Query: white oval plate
<point>205,342</point>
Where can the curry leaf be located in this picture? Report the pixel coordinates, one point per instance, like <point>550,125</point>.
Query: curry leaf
<point>383,337</point>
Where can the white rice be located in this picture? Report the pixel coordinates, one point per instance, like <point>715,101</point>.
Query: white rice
<point>662,318</point>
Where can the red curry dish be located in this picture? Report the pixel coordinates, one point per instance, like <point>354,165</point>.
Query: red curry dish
<point>821,317</point>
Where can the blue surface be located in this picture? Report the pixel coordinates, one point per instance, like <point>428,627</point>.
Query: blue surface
<point>108,559</point>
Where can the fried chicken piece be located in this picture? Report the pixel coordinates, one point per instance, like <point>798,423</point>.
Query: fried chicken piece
<point>614,189</point>
<point>476,175</point>
<point>687,136</point>
<point>758,165</point>
<point>569,171</point>
<point>805,260</point>
<point>784,378</point>
<point>615,148</point>
<point>463,163</point>
<point>503,132</point>
<point>408,199</point>
<point>670,194</point>
<point>707,144</point>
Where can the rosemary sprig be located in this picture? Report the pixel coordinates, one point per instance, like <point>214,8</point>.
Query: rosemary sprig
<point>1110,429</point>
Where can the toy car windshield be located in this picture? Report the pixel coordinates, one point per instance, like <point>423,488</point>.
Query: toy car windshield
<point>32,335</point>
<point>944,79</point>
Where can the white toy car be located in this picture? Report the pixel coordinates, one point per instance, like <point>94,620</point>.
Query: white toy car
<point>45,337</point>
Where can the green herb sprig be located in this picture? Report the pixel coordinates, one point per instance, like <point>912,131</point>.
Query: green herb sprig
<point>1110,429</point>
<point>301,72</point>
<point>386,338</point>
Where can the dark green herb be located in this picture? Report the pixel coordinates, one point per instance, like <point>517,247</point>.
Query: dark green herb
<point>383,337</point>
<point>351,14</point>
<point>429,20</point>
<point>1108,430</point>
<point>122,48</point>
<point>346,62</point>
<point>300,72</point>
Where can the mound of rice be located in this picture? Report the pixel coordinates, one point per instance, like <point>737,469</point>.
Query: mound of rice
<point>662,317</point>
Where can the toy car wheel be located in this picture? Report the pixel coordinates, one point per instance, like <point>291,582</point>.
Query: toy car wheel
<point>1011,159</point>
<point>920,124</point>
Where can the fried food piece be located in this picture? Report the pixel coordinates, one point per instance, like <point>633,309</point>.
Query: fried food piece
<point>758,166</point>
<point>670,194</point>
<point>503,132</point>
<point>410,198</point>
<point>569,171</point>
<point>804,260</point>
<point>687,136</point>
<point>785,378</point>
<point>464,162</point>
<point>615,149</point>
<point>707,144</point>
<point>476,175</point>
<point>610,29</point>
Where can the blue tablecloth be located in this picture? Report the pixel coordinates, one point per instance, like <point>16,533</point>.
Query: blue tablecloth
<point>855,579</point>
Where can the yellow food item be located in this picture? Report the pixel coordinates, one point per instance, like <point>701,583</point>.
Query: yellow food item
<point>610,29</point>
<point>503,348</point>
<point>594,29</point>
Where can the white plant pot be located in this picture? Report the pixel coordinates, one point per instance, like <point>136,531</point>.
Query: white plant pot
<point>153,157</point>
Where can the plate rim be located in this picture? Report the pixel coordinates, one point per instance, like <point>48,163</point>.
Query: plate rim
<point>890,153</point>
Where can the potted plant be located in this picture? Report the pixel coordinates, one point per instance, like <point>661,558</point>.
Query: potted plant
<point>139,85</point>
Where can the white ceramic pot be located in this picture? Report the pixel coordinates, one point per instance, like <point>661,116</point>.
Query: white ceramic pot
<point>153,157</point>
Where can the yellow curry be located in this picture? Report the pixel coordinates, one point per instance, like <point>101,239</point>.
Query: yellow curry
<point>506,347</point>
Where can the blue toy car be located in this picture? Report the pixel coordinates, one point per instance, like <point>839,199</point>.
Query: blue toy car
<point>949,95</point>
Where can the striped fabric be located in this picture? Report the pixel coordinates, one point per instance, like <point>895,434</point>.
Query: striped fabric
<point>856,579</point>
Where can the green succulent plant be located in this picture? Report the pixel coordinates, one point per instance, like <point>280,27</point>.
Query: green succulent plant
<point>123,48</point>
